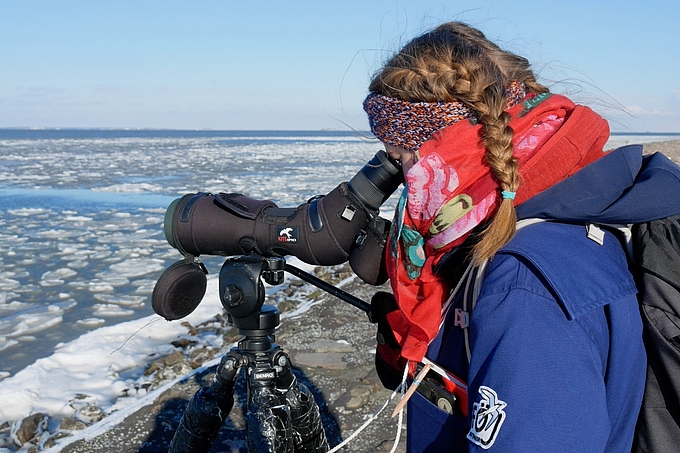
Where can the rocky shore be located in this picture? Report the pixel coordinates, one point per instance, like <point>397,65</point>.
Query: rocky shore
<point>331,346</point>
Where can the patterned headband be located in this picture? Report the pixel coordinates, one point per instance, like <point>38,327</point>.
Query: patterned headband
<point>410,124</point>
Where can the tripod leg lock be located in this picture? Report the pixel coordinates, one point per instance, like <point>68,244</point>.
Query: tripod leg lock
<point>228,369</point>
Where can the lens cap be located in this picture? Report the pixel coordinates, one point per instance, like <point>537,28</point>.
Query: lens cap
<point>179,290</point>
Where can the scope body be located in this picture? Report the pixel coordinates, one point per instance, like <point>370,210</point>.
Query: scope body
<point>322,231</point>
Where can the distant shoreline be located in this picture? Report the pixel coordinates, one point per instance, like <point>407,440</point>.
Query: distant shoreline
<point>230,131</point>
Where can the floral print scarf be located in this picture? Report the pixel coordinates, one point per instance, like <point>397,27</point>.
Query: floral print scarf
<point>450,191</point>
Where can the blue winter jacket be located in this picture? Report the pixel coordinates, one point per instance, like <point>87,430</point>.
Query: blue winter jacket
<point>557,361</point>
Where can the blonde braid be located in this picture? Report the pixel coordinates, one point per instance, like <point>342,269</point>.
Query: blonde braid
<point>497,136</point>
<point>486,95</point>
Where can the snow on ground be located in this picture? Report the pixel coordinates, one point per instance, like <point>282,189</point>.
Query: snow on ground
<point>102,364</point>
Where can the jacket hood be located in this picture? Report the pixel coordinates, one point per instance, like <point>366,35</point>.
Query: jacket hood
<point>622,187</point>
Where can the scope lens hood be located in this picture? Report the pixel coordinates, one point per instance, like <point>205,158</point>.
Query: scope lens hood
<point>168,222</point>
<point>179,290</point>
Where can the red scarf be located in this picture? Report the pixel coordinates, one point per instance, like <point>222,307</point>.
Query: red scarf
<point>450,190</point>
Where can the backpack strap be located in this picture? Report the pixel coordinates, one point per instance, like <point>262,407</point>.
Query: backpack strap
<point>472,281</point>
<point>473,278</point>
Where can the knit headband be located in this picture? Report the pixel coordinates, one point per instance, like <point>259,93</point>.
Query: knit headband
<point>410,124</point>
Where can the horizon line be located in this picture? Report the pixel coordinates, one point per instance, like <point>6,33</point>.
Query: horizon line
<point>248,130</point>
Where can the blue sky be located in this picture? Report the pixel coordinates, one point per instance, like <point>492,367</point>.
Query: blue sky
<point>306,64</point>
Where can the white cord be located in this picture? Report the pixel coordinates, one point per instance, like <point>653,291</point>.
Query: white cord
<point>400,421</point>
<point>401,389</point>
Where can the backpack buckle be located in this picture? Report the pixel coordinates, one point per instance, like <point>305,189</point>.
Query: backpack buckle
<point>461,318</point>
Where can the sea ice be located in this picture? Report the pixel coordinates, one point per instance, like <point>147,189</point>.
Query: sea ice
<point>136,188</point>
<point>27,212</point>
<point>90,322</point>
<point>127,301</point>
<point>109,310</point>
<point>59,234</point>
<point>6,343</point>
<point>32,323</point>
<point>138,267</point>
<point>8,284</point>
<point>78,218</point>
<point>55,278</point>
<point>77,264</point>
<point>99,287</point>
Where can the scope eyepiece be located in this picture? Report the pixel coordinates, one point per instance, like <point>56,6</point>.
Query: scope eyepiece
<point>377,180</point>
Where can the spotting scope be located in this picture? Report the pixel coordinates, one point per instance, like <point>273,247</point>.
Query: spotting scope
<point>326,230</point>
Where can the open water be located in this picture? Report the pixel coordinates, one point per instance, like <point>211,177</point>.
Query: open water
<point>81,213</point>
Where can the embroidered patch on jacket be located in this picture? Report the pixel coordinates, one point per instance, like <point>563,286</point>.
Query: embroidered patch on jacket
<point>487,418</point>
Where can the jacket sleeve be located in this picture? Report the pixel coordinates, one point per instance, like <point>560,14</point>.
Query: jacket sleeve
<point>536,377</point>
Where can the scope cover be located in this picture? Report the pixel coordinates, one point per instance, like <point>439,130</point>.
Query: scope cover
<point>320,232</point>
<point>179,290</point>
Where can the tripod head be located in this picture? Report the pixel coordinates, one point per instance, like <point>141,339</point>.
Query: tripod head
<point>242,292</point>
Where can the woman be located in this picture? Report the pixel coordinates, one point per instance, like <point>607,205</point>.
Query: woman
<point>552,353</point>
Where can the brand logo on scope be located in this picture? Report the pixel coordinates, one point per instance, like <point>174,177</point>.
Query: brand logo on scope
<point>289,235</point>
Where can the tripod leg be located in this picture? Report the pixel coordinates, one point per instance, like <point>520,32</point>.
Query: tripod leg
<point>269,422</point>
<point>206,411</point>
<point>308,432</point>
<point>310,437</point>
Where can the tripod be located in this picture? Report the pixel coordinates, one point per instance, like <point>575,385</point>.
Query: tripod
<point>282,416</point>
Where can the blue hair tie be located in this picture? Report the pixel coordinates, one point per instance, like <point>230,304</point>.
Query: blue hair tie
<point>511,195</point>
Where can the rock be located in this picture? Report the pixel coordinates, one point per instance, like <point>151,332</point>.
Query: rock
<point>231,336</point>
<point>327,345</point>
<point>199,356</point>
<point>192,330</point>
<point>296,283</point>
<point>173,359</point>
<point>287,305</point>
<point>170,372</point>
<point>183,343</point>
<point>152,368</point>
<point>31,428</point>
<point>71,424</point>
<point>315,295</point>
<point>5,441</point>
<point>51,442</point>
<point>358,396</point>
<point>327,360</point>
<point>90,414</point>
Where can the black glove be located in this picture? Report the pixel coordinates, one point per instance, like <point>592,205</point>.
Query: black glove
<point>388,361</point>
<point>367,258</point>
